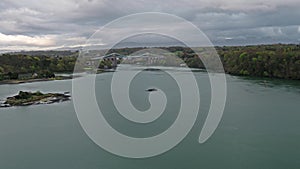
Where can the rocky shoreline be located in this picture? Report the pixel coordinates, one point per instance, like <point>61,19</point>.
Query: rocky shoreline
<point>34,98</point>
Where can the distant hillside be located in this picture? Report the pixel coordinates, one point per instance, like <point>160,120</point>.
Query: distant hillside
<point>50,53</point>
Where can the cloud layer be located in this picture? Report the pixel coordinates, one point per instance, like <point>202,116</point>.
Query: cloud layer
<point>44,24</point>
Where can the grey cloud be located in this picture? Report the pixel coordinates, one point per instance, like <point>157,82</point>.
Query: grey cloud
<point>225,22</point>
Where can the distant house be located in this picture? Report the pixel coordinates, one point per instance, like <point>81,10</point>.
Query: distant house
<point>35,75</point>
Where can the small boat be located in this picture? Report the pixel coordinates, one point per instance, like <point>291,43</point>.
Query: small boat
<point>151,90</point>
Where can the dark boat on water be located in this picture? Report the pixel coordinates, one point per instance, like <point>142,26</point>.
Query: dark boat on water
<point>151,90</point>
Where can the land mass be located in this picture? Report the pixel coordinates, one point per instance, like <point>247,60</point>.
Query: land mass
<point>271,61</point>
<point>31,80</point>
<point>34,98</point>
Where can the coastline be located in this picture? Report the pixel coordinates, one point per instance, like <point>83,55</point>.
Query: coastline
<point>4,82</point>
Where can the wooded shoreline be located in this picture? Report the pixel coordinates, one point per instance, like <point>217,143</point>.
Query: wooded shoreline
<point>3,82</point>
<point>280,61</point>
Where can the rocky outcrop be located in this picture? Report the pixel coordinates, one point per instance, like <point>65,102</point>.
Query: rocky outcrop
<point>34,98</point>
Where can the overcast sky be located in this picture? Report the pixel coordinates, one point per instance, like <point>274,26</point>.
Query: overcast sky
<point>46,24</point>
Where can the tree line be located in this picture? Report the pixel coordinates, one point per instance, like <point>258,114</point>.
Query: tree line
<point>274,61</point>
<point>14,65</point>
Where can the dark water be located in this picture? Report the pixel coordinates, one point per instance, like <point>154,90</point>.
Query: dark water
<point>260,128</point>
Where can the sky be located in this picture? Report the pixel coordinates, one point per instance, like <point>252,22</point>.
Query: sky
<point>45,24</point>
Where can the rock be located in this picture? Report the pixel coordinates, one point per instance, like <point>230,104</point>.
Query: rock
<point>4,105</point>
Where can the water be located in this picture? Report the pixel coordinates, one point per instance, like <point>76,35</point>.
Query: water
<point>260,128</point>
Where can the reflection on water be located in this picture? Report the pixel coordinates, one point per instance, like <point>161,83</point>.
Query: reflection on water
<point>288,85</point>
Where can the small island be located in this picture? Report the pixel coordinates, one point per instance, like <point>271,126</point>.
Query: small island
<point>34,98</point>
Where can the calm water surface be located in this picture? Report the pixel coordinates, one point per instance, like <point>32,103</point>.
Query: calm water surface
<point>260,128</point>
